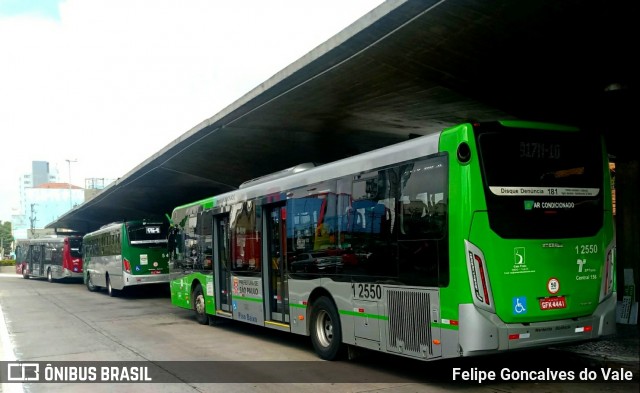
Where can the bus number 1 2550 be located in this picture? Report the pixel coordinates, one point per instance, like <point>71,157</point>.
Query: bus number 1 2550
<point>366,291</point>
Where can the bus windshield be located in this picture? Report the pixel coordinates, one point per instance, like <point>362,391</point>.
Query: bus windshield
<point>148,235</point>
<point>540,184</point>
<point>75,247</point>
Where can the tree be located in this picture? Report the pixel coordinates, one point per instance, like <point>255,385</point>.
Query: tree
<point>6,238</point>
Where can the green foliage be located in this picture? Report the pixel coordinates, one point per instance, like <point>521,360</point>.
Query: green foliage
<point>7,262</point>
<point>6,238</point>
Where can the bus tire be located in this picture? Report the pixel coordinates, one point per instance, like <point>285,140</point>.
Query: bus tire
<point>110,291</point>
<point>90,285</point>
<point>326,331</point>
<point>199,305</point>
<point>49,276</point>
<point>25,273</point>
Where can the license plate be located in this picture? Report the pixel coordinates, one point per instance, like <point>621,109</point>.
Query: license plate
<point>552,303</point>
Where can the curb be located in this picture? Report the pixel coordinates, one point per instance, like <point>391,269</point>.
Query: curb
<point>8,269</point>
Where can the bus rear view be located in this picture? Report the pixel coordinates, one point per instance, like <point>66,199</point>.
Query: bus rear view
<point>540,247</point>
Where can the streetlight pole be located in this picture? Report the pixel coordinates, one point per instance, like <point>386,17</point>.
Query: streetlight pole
<point>70,199</point>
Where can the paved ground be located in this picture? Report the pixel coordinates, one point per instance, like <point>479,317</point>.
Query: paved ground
<point>620,350</point>
<point>132,328</point>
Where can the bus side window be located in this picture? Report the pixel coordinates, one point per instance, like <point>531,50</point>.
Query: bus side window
<point>371,248</point>
<point>415,215</point>
<point>422,240</point>
<point>246,240</point>
<point>36,254</point>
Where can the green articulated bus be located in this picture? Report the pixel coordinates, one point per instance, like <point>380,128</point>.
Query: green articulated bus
<point>482,238</point>
<point>124,254</point>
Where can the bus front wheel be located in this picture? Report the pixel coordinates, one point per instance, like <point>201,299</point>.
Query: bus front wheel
<point>326,332</point>
<point>25,272</point>
<point>49,276</point>
<point>199,306</point>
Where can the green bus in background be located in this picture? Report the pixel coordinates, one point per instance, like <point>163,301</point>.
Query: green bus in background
<point>478,239</point>
<point>124,254</point>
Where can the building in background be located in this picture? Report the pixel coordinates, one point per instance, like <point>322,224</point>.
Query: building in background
<point>44,199</point>
<point>93,186</point>
<point>40,173</point>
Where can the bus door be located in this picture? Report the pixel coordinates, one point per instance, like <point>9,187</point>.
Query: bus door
<point>222,266</point>
<point>36,260</point>
<point>42,254</point>
<point>277,304</point>
<point>29,260</point>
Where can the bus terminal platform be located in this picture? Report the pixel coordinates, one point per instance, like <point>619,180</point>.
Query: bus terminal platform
<point>619,350</point>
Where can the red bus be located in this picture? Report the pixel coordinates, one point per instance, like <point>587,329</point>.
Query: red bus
<point>54,258</point>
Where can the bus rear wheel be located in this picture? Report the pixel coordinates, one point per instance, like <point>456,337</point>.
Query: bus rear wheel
<point>199,305</point>
<point>326,332</point>
<point>110,291</point>
<point>25,272</point>
<point>90,285</point>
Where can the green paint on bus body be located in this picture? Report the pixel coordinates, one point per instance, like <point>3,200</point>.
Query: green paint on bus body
<point>363,315</point>
<point>144,261</point>
<point>538,125</point>
<point>575,264</point>
<point>463,177</point>
<point>247,299</point>
<point>182,288</point>
<point>181,291</point>
<point>206,203</point>
<point>347,312</point>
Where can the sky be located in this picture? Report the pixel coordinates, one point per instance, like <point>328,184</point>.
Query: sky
<point>107,83</point>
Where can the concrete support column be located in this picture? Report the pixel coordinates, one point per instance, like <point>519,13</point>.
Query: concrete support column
<point>628,221</point>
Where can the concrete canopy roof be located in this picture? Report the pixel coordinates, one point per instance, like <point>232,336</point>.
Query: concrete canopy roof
<point>407,67</point>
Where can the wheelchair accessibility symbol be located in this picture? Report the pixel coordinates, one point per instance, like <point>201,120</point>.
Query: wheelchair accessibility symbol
<point>519,305</point>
